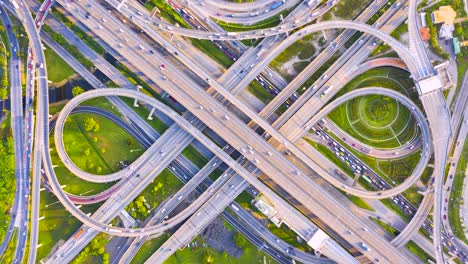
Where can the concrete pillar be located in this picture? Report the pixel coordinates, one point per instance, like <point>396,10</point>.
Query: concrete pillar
<point>356,178</point>
<point>150,116</point>
<point>172,37</point>
<point>135,103</point>
<point>121,4</point>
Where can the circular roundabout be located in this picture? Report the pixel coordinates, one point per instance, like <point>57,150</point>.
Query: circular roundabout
<point>377,120</point>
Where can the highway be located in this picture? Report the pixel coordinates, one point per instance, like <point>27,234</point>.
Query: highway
<point>283,45</point>
<point>19,214</point>
<point>41,120</point>
<point>178,100</point>
<point>89,78</point>
<point>265,157</point>
<point>115,230</point>
<point>247,13</point>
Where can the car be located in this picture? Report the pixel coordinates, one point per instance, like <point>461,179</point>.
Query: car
<point>218,14</point>
<point>208,80</point>
<point>103,20</point>
<point>364,246</point>
<point>164,77</point>
<point>162,67</point>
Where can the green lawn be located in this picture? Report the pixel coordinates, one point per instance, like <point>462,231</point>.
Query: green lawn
<point>258,91</point>
<point>418,251</point>
<point>289,236</point>
<point>456,194</point>
<point>376,120</point>
<point>411,245</point>
<point>267,23</point>
<point>210,49</point>
<point>194,156</point>
<point>57,69</point>
<point>57,224</point>
<point>347,9</point>
<point>392,170</point>
<point>195,255</point>
<point>148,247</point>
<point>165,185</point>
<point>143,112</point>
<point>8,255</point>
<point>304,49</point>
<point>77,142</point>
<point>389,229</point>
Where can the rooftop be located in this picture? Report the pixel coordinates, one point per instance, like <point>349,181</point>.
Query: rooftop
<point>425,33</point>
<point>429,84</point>
<point>445,15</point>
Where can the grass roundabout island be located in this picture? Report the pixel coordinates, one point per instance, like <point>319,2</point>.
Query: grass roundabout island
<point>377,121</point>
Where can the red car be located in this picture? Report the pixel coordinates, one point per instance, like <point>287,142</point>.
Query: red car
<point>162,67</point>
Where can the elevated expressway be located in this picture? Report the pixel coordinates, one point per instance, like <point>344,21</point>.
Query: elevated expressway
<point>19,214</point>
<point>429,87</point>
<point>108,192</point>
<point>41,76</point>
<point>244,13</point>
<point>168,223</point>
<point>308,29</point>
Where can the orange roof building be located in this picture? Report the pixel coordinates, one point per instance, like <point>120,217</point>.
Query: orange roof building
<point>425,33</point>
<point>445,15</point>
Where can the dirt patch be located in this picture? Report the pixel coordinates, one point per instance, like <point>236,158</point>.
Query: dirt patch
<point>220,238</point>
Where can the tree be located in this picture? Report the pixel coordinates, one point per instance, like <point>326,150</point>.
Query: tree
<point>130,141</point>
<point>77,90</point>
<point>87,151</point>
<point>98,169</point>
<point>207,258</point>
<point>240,240</point>
<point>89,123</point>
<point>97,127</point>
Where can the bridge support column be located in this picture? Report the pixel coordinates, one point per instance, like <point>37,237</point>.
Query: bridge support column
<point>135,103</point>
<point>121,4</point>
<point>150,116</point>
<point>356,178</point>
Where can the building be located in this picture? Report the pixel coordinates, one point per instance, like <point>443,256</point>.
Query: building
<point>446,31</point>
<point>456,46</point>
<point>425,33</point>
<point>445,15</point>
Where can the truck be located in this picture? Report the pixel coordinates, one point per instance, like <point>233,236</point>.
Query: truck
<point>235,207</point>
<point>232,34</point>
<point>310,3</point>
<point>78,234</point>
<point>262,50</point>
<point>276,5</point>
<point>326,91</point>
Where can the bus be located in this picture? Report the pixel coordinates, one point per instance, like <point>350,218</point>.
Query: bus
<point>366,178</point>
